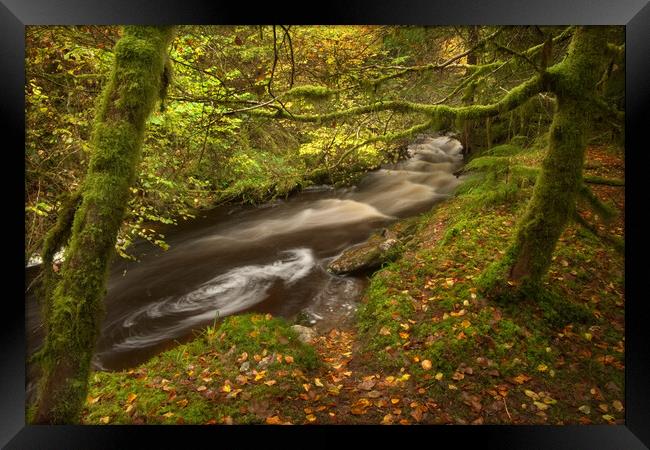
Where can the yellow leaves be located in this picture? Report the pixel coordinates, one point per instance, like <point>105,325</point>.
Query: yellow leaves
<point>202,388</point>
<point>273,420</point>
<point>460,313</point>
<point>260,375</point>
<point>243,357</point>
<point>306,386</point>
<point>439,376</point>
<point>588,336</point>
<point>131,397</point>
<point>384,331</point>
<point>387,420</point>
<point>311,418</point>
<point>521,378</point>
<point>608,418</point>
<point>92,400</point>
<point>466,323</point>
<point>618,406</point>
<point>403,335</point>
<point>458,376</point>
<point>168,414</point>
<point>104,419</point>
<point>531,394</point>
<point>394,401</point>
<point>584,409</point>
<point>317,382</point>
<point>359,407</point>
<point>288,359</point>
<point>542,368</point>
<point>426,364</point>
<point>404,378</point>
<point>335,390</point>
<point>182,403</point>
<point>270,382</point>
<point>549,401</point>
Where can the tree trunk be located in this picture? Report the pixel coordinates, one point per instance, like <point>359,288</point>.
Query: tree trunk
<point>468,98</point>
<point>75,307</point>
<point>554,195</point>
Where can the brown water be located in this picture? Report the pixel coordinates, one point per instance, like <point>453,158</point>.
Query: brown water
<point>271,258</point>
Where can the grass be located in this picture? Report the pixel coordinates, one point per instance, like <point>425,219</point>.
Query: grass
<point>430,308</point>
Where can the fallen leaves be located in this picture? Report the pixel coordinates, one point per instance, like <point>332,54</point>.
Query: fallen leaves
<point>426,364</point>
<point>359,407</point>
<point>367,385</point>
<point>521,379</point>
<point>273,420</point>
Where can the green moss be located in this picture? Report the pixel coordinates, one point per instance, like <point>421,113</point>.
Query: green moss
<point>310,92</point>
<point>254,333</point>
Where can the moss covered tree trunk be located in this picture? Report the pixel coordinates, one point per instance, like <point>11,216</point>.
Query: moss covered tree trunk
<point>554,196</point>
<point>75,308</point>
<point>468,97</point>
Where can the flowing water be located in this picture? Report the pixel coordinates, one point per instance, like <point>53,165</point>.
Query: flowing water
<point>271,258</point>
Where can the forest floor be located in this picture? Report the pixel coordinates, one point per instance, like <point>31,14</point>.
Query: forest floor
<point>427,347</point>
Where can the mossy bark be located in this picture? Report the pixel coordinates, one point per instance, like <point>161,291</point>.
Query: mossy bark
<point>554,196</point>
<point>468,97</point>
<point>75,308</point>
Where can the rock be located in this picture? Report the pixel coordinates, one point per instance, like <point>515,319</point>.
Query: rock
<point>381,247</point>
<point>305,334</point>
<point>388,244</point>
<point>367,256</point>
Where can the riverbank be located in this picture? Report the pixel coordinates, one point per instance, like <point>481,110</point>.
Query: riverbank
<point>427,347</point>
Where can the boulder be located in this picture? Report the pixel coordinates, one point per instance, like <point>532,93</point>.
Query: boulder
<point>368,256</point>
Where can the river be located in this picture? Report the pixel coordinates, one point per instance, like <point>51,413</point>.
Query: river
<point>270,258</point>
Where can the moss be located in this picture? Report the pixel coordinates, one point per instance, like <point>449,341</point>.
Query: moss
<point>310,92</point>
<point>72,322</point>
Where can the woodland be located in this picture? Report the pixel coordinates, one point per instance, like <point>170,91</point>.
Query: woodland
<point>291,224</point>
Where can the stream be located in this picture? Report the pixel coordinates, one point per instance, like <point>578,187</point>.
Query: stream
<point>268,259</point>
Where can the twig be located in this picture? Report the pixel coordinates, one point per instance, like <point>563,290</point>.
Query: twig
<point>506,405</point>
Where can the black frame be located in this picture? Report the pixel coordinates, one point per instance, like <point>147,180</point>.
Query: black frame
<point>635,14</point>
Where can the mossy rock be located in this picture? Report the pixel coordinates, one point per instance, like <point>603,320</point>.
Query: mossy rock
<point>370,255</point>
